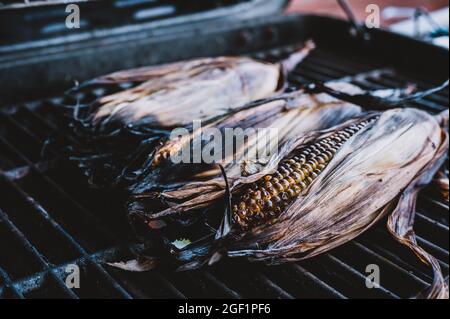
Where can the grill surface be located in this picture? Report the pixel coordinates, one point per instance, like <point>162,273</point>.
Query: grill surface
<point>49,219</point>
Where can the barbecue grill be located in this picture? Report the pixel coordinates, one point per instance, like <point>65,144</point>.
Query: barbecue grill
<point>50,218</point>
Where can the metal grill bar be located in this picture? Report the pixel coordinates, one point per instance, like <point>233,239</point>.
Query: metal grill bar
<point>46,216</point>
<point>7,284</point>
<point>390,269</point>
<point>32,250</point>
<point>359,277</point>
<point>317,282</point>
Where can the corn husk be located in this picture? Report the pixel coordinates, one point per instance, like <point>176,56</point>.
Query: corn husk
<point>378,172</point>
<point>173,95</point>
<point>117,130</point>
<point>291,114</point>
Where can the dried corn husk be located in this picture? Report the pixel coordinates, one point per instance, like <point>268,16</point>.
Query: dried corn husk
<point>173,95</point>
<point>117,130</point>
<point>378,171</point>
<point>442,184</point>
<point>291,114</point>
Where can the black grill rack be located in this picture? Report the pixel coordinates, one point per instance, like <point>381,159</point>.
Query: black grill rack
<point>50,219</point>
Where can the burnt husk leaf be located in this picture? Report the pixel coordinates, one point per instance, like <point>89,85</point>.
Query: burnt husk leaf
<point>293,113</point>
<point>377,172</point>
<point>380,99</point>
<point>114,134</point>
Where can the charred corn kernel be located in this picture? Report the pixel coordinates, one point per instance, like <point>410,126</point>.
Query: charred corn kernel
<point>285,184</point>
<point>266,199</point>
<point>297,178</point>
<point>265,195</point>
<point>278,187</point>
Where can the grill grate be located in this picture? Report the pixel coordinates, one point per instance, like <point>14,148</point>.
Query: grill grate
<point>49,219</point>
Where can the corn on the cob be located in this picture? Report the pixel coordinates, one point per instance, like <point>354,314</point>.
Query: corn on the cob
<point>378,172</point>
<point>290,114</point>
<point>322,190</point>
<point>267,198</point>
<point>114,132</point>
